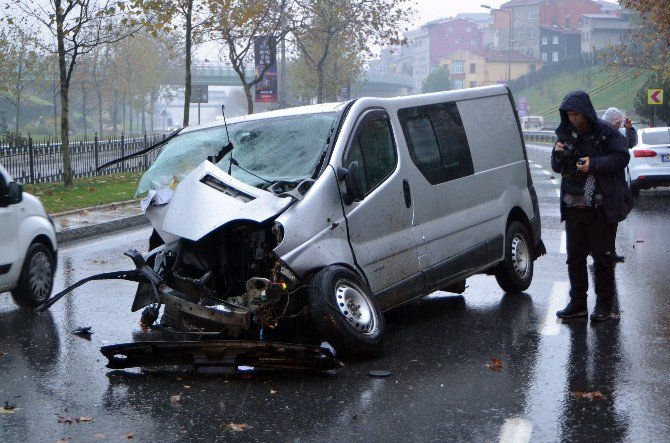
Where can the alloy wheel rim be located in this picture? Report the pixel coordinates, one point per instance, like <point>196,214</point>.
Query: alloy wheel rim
<point>40,276</point>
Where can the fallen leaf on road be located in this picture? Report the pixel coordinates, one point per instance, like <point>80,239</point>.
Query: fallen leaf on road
<point>237,427</point>
<point>272,391</point>
<point>128,435</point>
<point>84,419</point>
<point>593,395</point>
<point>100,436</point>
<point>175,399</point>
<point>65,419</point>
<point>495,364</point>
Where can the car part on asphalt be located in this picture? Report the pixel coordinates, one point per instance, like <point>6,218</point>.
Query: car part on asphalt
<point>230,354</point>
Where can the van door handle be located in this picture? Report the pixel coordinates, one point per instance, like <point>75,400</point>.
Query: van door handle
<point>406,191</point>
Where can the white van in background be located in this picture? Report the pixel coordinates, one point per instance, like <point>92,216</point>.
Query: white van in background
<point>532,123</point>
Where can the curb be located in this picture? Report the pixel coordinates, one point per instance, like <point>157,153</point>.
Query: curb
<point>70,235</point>
<point>95,208</point>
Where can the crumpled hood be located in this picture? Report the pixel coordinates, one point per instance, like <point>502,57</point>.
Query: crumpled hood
<point>209,198</point>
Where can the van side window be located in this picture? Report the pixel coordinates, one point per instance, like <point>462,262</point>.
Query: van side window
<point>372,147</point>
<point>444,139</point>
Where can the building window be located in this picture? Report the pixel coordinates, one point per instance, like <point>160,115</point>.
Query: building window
<point>531,15</point>
<point>450,28</point>
<point>468,29</point>
<point>473,84</point>
<point>458,67</point>
<point>554,56</point>
<point>458,84</point>
<point>554,39</point>
<point>457,40</point>
<point>544,41</point>
<point>473,68</point>
<point>543,56</point>
<point>531,34</point>
<point>473,42</point>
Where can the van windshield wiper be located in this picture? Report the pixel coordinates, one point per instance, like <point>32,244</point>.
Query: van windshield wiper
<point>143,151</point>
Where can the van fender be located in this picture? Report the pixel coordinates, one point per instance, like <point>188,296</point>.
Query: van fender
<point>315,229</point>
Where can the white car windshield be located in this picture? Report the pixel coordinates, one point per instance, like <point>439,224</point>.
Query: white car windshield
<point>288,148</point>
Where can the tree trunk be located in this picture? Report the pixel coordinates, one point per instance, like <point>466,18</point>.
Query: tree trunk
<point>250,99</point>
<point>55,93</point>
<point>83,107</point>
<point>64,104</point>
<point>187,63</point>
<point>100,111</point>
<point>18,115</point>
<point>123,112</point>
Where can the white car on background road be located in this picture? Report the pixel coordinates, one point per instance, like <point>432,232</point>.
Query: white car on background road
<point>649,165</point>
<point>28,249</point>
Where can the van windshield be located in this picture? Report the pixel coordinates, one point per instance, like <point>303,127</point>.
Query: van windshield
<point>288,148</point>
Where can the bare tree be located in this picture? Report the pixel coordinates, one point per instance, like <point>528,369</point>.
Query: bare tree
<point>78,27</point>
<point>239,22</point>
<point>187,16</point>
<point>362,22</point>
<point>20,70</point>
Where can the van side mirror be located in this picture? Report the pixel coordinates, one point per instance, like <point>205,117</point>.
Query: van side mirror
<point>352,182</point>
<point>15,193</point>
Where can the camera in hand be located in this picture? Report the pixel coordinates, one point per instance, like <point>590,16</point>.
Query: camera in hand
<point>570,153</point>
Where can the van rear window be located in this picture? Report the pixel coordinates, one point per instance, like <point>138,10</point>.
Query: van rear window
<point>437,141</point>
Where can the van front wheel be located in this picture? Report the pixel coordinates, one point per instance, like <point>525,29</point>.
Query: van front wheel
<point>515,272</point>
<point>344,313</point>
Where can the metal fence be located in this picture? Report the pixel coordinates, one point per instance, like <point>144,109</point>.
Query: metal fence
<point>32,161</point>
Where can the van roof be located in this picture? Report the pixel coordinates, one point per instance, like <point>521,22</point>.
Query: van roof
<point>393,102</point>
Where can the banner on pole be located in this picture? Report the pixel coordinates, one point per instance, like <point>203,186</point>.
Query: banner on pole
<point>264,52</point>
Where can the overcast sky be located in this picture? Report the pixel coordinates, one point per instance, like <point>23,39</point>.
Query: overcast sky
<point>433,9</point>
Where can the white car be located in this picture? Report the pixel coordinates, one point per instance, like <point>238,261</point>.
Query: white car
<point>649,165</point>
<point>28,249</point>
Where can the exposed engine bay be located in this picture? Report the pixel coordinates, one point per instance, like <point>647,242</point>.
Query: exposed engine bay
<point>229,282</point>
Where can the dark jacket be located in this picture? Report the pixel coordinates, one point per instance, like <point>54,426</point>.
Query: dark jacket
<point>608,157</point>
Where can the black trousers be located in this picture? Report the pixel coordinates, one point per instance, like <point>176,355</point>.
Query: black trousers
<point>588,232</point>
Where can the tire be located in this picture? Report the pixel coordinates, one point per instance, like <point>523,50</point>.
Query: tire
<point>37,277</point>
<point>634,189</point>
<point>354,333</point>
<point>515,273</point>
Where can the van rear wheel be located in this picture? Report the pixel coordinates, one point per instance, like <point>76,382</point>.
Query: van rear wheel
<point>344,312</point>
<point>515,273</point>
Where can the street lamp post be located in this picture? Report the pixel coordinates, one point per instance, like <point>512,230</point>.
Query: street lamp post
<point>509,42</point>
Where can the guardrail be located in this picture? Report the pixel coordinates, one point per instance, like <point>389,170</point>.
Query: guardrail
<point>540,136</point>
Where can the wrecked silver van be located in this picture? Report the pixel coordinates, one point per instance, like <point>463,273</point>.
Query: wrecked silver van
<point>320,218</point>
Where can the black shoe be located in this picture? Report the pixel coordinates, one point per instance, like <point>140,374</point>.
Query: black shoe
<point>573,310</point>
<point>618,258</point>
<point>601,313</point>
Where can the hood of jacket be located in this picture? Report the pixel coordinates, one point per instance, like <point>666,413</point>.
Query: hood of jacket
<point>577,101</point>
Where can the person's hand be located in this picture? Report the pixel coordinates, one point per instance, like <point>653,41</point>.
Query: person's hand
<point>583,164</point>
<point>627,123</point>
<point>559,146</point>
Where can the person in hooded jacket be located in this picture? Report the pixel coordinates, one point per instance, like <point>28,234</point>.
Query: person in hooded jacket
<point>591,156</point>
<point>617,118</point>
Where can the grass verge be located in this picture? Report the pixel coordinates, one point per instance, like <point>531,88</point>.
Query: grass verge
<point>86,192</point>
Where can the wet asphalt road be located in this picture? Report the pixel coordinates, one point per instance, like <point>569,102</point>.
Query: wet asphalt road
<point>440,388</point>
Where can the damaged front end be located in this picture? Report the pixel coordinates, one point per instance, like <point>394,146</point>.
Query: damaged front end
<point>229,283</point>
<point>212,265</point>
